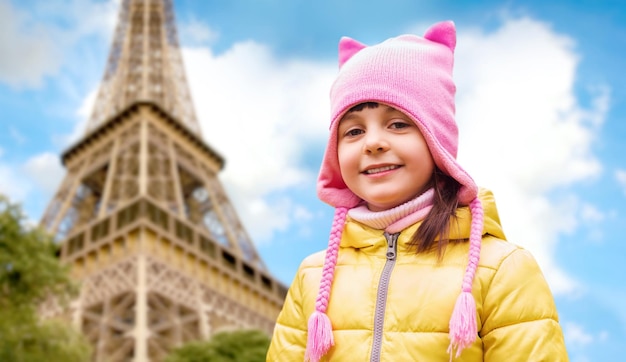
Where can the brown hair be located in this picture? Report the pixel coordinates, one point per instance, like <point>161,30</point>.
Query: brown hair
<point>434,230</point>
<point>361,106</point>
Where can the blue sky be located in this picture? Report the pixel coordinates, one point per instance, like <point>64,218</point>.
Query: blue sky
<point>540,107</point>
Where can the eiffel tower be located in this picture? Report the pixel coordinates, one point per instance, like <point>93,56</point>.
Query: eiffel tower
<point>142,218</point>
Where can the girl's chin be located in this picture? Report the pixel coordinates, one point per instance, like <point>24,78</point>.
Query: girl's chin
<point>382,207</point>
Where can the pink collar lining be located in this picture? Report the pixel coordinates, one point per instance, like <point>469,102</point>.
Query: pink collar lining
<point>398,218</point>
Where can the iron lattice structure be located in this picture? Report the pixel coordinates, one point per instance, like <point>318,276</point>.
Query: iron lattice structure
<point>145,64</point>
<point>142,218</point>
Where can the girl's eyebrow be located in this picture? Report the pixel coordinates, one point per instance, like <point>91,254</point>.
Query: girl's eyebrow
<point>354,114</point>
<point>348,116</point>
<point>390,109</point>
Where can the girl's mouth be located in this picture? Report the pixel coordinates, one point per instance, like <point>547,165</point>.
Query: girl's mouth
<point>372,171</point>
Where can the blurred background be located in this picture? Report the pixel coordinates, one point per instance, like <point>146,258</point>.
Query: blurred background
<point>540,107</point>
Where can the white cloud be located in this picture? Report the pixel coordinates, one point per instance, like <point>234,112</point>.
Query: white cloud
<point>11,183</point>
<point>579,340</point>
<point>78,18</point>
<point>591,213</point>
<point>82,115</point>
<point>46,171</point>
<point>28,49</point>
<point>302,214</point>
<point>523,133</point>
<point>33,181</point>
<point>260,113</point>
<point>620,176</point>
<point>16,135</point>
<point>195,32</point>
<point>35,43</point>
<point>593,219</point>
<point>575,335</point>
<point>264,218</point>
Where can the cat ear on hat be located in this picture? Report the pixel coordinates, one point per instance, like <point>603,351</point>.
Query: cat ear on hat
<point>347,48</point>
<point>443,33</point>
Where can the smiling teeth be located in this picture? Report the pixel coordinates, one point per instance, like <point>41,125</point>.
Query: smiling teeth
<point>380,169</point>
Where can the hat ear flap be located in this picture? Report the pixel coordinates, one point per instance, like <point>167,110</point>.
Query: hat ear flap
<point>443,33</point>
<point>347,48</point>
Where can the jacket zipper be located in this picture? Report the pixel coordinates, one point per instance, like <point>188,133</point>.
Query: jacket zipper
<point>381,295</point>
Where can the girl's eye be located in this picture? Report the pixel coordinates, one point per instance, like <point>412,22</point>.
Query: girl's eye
<point>354,132</point>
<point>398,125</point>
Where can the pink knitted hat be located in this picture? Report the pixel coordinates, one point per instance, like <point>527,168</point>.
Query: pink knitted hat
<point>414,75</point>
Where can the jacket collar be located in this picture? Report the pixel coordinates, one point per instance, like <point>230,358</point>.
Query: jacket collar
<point>357,235</point>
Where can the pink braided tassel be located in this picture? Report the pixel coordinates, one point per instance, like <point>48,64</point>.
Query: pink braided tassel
<point>320,337</point>
<point>320,331</point>
<point>463,327</point>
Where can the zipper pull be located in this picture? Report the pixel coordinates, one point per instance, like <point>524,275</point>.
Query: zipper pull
<point>392,245</point>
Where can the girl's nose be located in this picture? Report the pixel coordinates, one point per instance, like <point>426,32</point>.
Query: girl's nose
<point>375,142</point>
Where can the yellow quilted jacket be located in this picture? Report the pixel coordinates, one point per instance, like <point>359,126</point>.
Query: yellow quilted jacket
<point>517,318</point>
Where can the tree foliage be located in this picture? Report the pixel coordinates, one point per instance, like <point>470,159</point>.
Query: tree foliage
<point>232,346</point>
<point>30,273</point>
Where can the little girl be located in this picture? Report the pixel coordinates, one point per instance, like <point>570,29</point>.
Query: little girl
<point>417,267</point>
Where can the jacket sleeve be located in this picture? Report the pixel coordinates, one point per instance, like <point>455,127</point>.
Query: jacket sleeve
<point>520,321</point>
<point>290,332</point>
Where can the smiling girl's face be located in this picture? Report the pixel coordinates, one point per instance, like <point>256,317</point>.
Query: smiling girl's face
<point>383,156</point>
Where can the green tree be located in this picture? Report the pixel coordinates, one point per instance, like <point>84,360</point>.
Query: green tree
<point>30,273</point>
<point>233,346</point>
